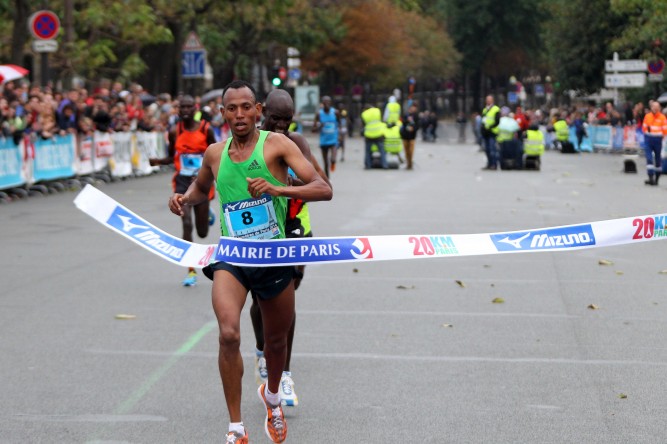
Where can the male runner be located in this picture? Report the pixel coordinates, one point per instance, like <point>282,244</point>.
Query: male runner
<point>327,122</point>
<point>278,113</point>
<point>251,166</point>
<point>188,141</point>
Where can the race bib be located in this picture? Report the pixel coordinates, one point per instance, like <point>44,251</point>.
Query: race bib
<point>329,128</point>
<point>191,164</point>
<point>251,218</point>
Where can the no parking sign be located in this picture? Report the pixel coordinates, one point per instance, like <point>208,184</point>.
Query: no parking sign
<point>44,25</point>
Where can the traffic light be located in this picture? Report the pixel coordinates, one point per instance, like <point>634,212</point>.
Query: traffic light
<point>275,77</point>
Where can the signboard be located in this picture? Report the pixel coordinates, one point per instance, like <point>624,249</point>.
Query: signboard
<point>656,66</point>
<point>44,45</point>
<point>307,102</point>
<point>193,64</point>
<point>539,90</point>
<point>193,57</point>
<point>625,65</point>
<point>655,77</point>
<point>44,25</point>
<point>633,80</point>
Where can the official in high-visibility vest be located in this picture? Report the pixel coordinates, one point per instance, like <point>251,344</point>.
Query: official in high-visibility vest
<point>392,139</point>
<point>654,127</point>
<point>562,130</point>
<point>373,132</point>
<point>490,121</point>
<point>534,143</point>
<point>392,112</point>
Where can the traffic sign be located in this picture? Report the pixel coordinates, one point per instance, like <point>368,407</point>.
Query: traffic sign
<point>625,65</point>
<point>192,42</point>
<point>193,64</point>
<point>631,80</point>
<point>655,77</point>
<point>656,66</point>
<point>45,45</point>
<point>295,74</point>
<point>44,25</point>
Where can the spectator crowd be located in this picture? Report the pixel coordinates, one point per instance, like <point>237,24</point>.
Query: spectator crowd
<point>36,112</point>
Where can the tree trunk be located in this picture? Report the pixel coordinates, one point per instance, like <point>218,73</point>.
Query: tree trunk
<point>19,34</point>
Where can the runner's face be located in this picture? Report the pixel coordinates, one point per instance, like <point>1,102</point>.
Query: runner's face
<point>186,110</point>
<point>240,111</point>
<point>278,120</point>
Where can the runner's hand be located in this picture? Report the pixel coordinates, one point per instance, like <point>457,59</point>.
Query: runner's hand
<point>259,186</point>
<point>176,204</point>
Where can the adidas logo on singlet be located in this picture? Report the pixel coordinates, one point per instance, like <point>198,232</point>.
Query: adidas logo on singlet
<point>254,165</point>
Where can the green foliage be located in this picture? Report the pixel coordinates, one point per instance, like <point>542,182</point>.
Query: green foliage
<point>646,22</point>
<point>578,42</point>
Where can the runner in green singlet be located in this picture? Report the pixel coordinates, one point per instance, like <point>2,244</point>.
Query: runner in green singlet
<point>251,166</point>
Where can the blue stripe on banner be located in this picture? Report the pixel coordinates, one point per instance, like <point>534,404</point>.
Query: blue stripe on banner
<point>54,158</point>
<point>289,251</point>
<point>144,233</point>
<point>10,164</point>
<point>545,239</point>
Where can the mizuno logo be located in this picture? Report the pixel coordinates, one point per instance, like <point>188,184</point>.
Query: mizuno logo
<point>129,226</point>
<point>254,165</point>
<point>516,243</point>
<point>549,238</point>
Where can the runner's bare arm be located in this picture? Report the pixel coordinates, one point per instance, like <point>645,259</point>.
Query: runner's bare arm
<point>314,187</point>
<point>198,190</point>
<point>303,145</point>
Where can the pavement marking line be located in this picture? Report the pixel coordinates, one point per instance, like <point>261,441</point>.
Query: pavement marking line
<point>127,405</point>
<point>409,358</point>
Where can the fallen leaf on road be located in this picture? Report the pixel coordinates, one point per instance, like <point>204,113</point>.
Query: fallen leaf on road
<point>618,272</point>
<point>460,283</point>
<point>605,262</point>
<point>403,287</point>
<point>447,326</point>
<point>623,396</point>
<point>593,307</point>
<point>498,300</point>
<point>487,266</point>
<point>125,316</point>
<point>355,270</point>
<point>662,272</point>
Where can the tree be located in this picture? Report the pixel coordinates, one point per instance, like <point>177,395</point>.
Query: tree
<point>380,42</point>
<point>578,37</point>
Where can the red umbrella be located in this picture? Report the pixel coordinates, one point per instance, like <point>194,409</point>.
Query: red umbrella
<point>11,72</point>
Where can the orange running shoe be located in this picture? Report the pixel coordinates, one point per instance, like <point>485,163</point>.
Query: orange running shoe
<point>275,425</point>
<point>333,166</point>
<point>237,438</point>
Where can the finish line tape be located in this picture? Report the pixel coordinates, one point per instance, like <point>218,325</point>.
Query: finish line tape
<point>261,253</point>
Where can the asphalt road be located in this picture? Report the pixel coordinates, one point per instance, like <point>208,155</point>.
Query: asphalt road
<point>385,352</point>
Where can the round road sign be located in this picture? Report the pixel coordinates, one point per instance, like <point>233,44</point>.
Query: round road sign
<point>656,66</point>
<point>44,25</point>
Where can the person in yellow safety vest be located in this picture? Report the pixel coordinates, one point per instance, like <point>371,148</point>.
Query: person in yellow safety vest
<point>392,139</point>
<point>562,129</point>
<point>490,121</point>
<point>373,131</point>
<point>392,112</point>
<point>509,152</point>
<point>534,143</point>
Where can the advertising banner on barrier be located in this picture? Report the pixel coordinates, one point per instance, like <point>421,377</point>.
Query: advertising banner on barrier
<point>120,162</point>
<point>84,164</point>
<point>54,158</point>
<point>147,146</point>
<point>11,164</point>
<point>103,149</point>
<point>601,137</point>
<point>630,137</point>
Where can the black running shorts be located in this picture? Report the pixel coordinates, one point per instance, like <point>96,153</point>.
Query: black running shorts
<point>264,282</point>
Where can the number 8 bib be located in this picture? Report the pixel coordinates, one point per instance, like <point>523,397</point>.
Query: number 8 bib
<point>251,218</point>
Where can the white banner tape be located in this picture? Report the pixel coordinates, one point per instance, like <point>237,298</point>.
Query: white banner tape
<point>365,248</point>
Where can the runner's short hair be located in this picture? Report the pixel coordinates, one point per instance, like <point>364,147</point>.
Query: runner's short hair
<point>238,84</point>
